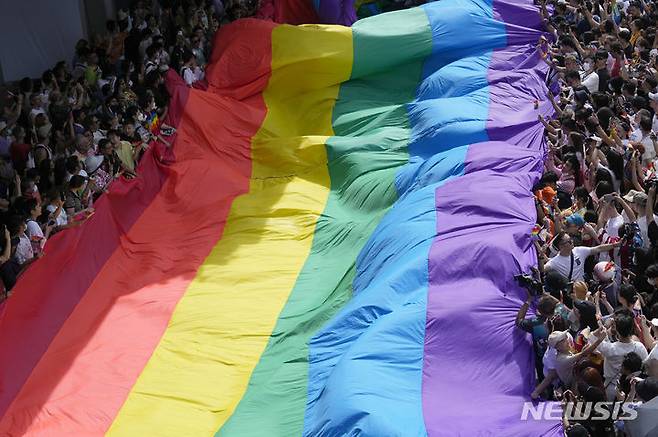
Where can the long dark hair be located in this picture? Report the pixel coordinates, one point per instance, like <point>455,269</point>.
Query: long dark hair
<point>575,164</point>
<point>615,163</point>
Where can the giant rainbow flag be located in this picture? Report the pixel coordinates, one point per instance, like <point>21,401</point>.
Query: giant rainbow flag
<point>326,250</point>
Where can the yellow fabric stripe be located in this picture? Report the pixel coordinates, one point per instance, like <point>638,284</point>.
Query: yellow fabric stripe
<point>200,370</point>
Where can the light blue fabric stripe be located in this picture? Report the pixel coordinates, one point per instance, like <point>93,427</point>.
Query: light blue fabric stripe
<point>366,363</point>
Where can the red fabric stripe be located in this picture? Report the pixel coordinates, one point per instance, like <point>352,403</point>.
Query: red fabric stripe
<point>49,290</point>
<point>101,348</point>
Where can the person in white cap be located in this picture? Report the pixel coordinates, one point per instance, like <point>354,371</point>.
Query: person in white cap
<point>566,359</point>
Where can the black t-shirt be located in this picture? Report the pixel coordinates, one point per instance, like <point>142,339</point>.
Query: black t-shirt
<point>604,77</point>
<point>9,273</point>
<point>652,231</point>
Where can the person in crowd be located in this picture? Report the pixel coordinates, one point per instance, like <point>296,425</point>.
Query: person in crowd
<point>569,260</point>
<point>537,325</point>
<point>596,233</point>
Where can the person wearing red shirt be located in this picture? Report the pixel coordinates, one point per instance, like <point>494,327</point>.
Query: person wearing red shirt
<point>19,150</point>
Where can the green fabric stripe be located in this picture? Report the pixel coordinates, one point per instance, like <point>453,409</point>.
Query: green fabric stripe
<point>372,131</point>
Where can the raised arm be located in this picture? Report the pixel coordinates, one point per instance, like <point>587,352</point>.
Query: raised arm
<point>627,209</point>
<point>520,316</point>
<point>600,336</point>
<point>589,230</point>
<point>634,169</point>
<point>547,125</point>
<point>651,198</point>
<point>605,247</point>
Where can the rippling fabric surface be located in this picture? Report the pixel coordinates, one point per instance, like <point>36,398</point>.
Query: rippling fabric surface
<point>326,250</point>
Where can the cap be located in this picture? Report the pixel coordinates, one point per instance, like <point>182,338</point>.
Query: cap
<point>630,196</point>
<point>576,219</point>
<point>640,198</point>
<point>556,337</point>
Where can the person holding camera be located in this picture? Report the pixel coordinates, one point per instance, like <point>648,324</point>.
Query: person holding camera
<point>537,325</point>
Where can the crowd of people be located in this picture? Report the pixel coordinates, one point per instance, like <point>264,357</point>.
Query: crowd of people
<point>66,136</point>
<point>595,293</point>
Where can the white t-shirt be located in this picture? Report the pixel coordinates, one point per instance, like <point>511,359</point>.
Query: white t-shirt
<point>649,151</point>
<point>562,264</point>
<point>189,76</point>
<point>61,219</point>
<point>549,360</point>
<point>591,82</point>
<point>612,226</point>
<point>614,355</point>
<point>98,135</point>
<point>33,229</point>
<point>636,134</point>
<point>34,232</point>
<point>564,364</point>
<point>24,250</point>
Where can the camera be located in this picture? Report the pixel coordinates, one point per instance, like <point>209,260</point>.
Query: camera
<point>530,283</point>
<point>651,183</point>
<point>631,235</point>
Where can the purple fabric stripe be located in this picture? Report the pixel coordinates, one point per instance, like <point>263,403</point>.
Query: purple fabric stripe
<point>478,369</point>
<point>337,12</point>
